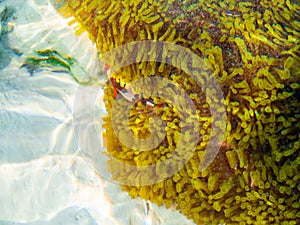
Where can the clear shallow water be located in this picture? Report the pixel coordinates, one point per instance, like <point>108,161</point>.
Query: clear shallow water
<point>44,179</point>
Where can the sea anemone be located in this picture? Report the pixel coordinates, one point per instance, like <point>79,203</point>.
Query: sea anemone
<point>252,50</point>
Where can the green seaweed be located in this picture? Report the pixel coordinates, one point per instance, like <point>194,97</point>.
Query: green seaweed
<point>48,59</point>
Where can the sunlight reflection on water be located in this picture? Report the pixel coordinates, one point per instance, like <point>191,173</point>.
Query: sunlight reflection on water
<point>43,180</point>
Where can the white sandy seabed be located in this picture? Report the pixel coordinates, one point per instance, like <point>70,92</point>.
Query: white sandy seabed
<point>43,178</point>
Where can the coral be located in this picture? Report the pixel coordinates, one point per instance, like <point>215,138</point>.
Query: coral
<point>252,48</point>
